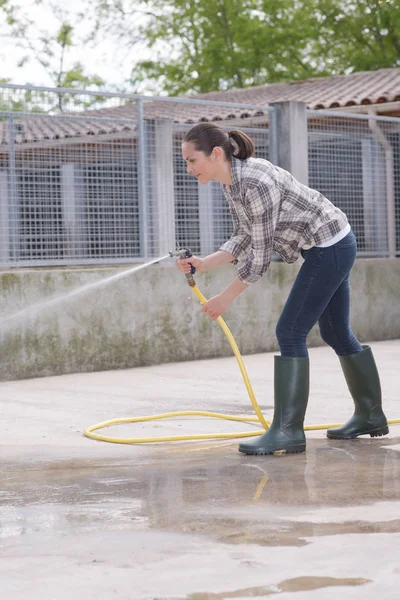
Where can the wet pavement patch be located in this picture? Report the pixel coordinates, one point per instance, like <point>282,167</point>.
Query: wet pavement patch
<point>298,584</point>
<point>295,533</point>
<point>222,494</point>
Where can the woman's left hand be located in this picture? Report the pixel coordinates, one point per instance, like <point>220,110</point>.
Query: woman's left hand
<point>216,306</point>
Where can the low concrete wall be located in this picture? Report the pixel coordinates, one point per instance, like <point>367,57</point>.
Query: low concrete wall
<point>151,316</point>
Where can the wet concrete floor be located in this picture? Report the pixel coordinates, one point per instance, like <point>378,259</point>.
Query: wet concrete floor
<point>190,521</point>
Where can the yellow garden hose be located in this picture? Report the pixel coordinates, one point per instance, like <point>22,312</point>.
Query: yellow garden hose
<point>175,438</point>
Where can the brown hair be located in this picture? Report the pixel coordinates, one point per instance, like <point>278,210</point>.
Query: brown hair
<point>206,136</point>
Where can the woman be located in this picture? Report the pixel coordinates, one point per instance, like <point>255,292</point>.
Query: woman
<point>272,211</point>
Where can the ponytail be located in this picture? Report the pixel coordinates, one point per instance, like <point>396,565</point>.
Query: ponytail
<point>242,144</point>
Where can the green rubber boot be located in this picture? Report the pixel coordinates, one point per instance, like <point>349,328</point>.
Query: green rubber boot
<point>363,382</point>
<point>290,402</point>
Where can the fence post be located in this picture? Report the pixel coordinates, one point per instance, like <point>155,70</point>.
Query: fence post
<point>13,204</point>
<point>143,200</point>
<point>374,195</point>
<point>161,154</point>
<point>73,212</point>
<point>273,136</point>
<point>291,137</point>
<point>4,219</point>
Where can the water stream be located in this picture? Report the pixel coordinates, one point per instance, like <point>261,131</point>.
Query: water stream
<point>84,289</point>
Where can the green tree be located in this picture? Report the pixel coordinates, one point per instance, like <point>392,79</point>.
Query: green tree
<point>358,36</point>
<point>207,45</point>
<point>50,50</point>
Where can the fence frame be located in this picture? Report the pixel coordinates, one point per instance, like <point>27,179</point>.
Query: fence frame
<point>287,148</point>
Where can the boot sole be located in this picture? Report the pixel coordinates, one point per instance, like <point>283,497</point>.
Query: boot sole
<point>291,450</point>
<point>374,433</point>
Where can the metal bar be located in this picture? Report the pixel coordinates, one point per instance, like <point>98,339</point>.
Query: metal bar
<point>274,139</point>
<point>98,263</point>
<point>137,97</point>
<point>4,217</point>
<point>142,180</point>
<point>331,113</point>
<point>14,212</point>
<point>70,117</point>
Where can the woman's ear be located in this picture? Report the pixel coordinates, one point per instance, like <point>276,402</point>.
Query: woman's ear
<point>218,152</point>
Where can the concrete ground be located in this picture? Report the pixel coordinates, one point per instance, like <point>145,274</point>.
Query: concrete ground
<point>91,520</point>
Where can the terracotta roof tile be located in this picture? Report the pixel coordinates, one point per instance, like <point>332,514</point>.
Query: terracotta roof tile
<point>370,87</point>
<point>322,91</point>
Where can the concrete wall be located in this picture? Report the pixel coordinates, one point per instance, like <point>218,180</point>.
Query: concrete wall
<point>152,316</point>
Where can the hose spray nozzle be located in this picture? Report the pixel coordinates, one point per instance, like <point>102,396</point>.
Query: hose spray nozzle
<point>186,253</point>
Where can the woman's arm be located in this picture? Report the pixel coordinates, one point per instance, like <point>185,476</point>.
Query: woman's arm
<point>216,259</point>
<point>204,264</point>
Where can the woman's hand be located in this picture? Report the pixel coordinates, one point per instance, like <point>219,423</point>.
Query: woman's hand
<point>183,264</point>
<point>216,306</point>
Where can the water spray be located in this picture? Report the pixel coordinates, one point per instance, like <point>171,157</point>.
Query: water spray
<point>32,310</point>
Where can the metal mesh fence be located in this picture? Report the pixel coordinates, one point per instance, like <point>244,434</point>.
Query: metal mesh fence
<point>354,161</point>
<point>89,178</point>
<point>68,191</point>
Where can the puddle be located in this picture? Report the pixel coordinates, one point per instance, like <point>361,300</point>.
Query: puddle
<point>226,496</point>
<point>296,533</point>
<point>280,538</point>
<point>298,584</point>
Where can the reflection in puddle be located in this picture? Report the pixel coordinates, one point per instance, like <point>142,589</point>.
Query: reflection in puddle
<point>226,496</point>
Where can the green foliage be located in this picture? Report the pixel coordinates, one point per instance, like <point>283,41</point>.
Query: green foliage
<point>50,50</point>
<point>207,45</point>
<point>359,36</point>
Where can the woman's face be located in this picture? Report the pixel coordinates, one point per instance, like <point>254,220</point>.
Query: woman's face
<point>198,164</point>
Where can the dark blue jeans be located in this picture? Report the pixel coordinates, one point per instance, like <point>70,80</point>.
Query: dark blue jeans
<point>321,292</point>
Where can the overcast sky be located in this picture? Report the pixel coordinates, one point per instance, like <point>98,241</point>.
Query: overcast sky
<point>104,60</point>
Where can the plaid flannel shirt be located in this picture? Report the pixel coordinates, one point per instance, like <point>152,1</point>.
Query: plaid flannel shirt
<point>272,211</point>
